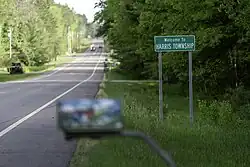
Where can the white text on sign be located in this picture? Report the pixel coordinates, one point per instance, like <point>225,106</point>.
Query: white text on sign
<point>175,46</point>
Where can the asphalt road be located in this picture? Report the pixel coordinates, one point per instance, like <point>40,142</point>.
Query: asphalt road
<point>34,140</point>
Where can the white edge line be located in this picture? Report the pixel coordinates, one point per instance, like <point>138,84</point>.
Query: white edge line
<point>14,125</point>
<point>58,69</point>
<point>92,81</point>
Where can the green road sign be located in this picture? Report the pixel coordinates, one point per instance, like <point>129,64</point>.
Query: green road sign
<point>174,43</point>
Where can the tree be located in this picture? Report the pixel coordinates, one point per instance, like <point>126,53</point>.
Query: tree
<point>221,29</point>
<point>40,30</point>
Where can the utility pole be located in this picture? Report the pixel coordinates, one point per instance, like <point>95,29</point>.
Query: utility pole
<point>78,41</point>
<point>69,41</point>
<point>10,38</point>
<point>81,36</point>
<point>0,34</point>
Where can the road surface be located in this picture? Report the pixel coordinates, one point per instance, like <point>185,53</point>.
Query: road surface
<point>28,133</point>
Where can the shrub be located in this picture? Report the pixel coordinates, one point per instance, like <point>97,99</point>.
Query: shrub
<point>244,112</point>
<point>240,100</point>
<point>218,112</point>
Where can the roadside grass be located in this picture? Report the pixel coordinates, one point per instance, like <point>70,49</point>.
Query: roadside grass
<point>51,65</point>
<point>33,71</point>
<point>202,145</point>
<point>7,77</point>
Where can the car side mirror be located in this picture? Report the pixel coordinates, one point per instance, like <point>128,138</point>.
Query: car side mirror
<point>97,118</point>
<point>89,117</point>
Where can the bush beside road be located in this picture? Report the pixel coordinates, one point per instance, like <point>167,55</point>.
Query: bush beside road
<point>33,71</point>
<point>207,143</point>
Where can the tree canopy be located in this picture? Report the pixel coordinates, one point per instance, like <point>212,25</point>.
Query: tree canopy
<point>221,27</point>
<point>41,30</point>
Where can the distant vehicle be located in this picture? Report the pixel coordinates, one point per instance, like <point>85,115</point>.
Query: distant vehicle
<point>16,68</point>
<point>100,46</point>
<point>92,47</point>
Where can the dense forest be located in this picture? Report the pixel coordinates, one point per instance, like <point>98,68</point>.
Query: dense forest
<point>221,61</point>
<point>40,31</point>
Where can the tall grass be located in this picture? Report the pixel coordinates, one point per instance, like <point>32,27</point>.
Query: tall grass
<point>202,145</point>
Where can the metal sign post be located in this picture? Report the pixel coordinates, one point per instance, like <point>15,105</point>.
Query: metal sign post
<point>191,109</point>
<point>160,87</point>
<point>177,43</point>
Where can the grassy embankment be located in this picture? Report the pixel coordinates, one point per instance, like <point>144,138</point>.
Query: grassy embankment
<point>203,145</point>
<point>37,70</point>
<point>34,71</point>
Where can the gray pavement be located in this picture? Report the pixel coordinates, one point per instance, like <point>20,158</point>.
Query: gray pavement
<point>36,142</point>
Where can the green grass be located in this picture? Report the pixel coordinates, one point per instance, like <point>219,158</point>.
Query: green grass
<point>7,77</point>
<point>51,65</point>
<point>34,71</point>
<point>47,67</point>
<point>203,145</point>
<point>29,71</point>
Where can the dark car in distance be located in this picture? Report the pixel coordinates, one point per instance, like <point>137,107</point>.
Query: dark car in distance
<point>16,68</point>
